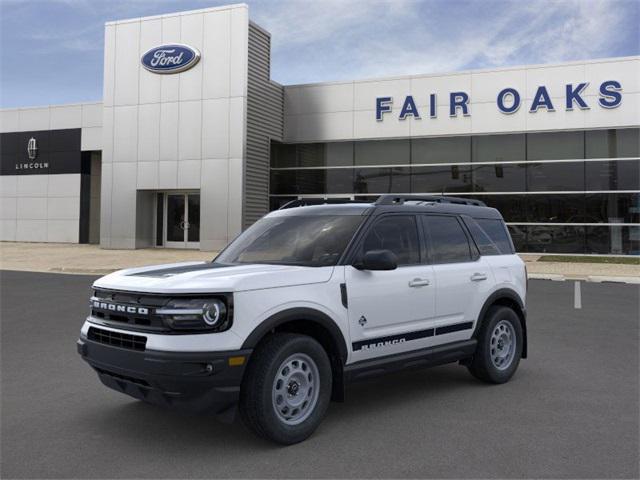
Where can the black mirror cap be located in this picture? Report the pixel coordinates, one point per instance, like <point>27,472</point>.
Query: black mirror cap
<point>378,260</point>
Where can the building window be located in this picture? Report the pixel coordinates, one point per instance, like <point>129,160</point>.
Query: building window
<point>613,175</point>
<point>382,152</point>
<point>382,180</point>
<point>613,143</point>
<point>441,179</point>
<point>561,176</point>
<point>499,148</point>
<point>555,145</point>
<point>499,178</point>
<point>440,150</point>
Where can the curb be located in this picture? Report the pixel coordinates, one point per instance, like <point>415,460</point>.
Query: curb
<point>588,278</point>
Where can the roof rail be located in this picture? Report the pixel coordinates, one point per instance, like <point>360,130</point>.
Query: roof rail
<point>304,202</point>
<point>400,199</point>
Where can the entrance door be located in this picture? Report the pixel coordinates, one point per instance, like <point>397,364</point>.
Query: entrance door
<point>182,220</point>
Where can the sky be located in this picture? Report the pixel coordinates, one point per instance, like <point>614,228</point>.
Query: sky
<point>51,51</point>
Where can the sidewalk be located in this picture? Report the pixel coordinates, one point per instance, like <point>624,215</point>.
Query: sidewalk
<point>90,259</point>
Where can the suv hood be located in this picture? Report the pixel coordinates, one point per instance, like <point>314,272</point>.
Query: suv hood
<point>206,277</point>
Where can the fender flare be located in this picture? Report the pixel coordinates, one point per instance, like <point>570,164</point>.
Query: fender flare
<point>297,314</point>
<point>506,293</point>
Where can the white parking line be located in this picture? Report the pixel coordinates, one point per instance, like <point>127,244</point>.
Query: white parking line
<point>577,295</point>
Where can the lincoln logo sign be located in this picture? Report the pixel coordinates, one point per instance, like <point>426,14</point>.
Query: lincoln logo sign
<point>508,101</point>
<point>172,58</point>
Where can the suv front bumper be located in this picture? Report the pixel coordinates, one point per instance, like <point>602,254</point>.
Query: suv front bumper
<point>195,381</point>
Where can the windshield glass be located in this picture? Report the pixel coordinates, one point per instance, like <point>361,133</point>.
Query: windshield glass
<point>311,241</point>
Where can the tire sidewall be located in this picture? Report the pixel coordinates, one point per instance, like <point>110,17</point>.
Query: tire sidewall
<point>277,429</point>
<point>496,315</point>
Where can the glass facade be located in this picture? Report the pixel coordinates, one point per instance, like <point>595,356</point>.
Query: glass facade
<point>560,192</point>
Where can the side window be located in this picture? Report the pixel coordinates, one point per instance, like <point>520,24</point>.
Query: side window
<point>397,233</point>
<point>483,242</point>
<point>449,243</point>
<point>497,232</point>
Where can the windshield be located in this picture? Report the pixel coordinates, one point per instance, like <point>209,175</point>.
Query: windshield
<point>311,241</point>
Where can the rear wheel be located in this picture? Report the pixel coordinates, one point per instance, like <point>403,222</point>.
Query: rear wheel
<point>287,388</point>
<point>499,346</point>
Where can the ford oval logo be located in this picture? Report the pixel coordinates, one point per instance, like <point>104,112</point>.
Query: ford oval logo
<point>172,58</point>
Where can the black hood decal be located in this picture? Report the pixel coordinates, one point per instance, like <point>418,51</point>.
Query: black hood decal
<point>170,271</point>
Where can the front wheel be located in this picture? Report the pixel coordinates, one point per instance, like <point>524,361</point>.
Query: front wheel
<point>499,346</point>
<point>286,389</point>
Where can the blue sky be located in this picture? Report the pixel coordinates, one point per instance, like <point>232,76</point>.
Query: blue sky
<point>51,50</point>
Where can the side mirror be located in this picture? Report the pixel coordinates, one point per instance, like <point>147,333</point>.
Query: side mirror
<point>377,260</point>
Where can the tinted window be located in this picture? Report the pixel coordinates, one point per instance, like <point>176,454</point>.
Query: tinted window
<point>397,233</point>
<point>382,152</point>
<point>484,243</point>
<point>612,208</point>
<point>313,241</point>
<point>613,143</point>
<point>555,145</point>
<point>499,178</point>
<point>448,241</point>
<point>382,180</point>
<point>561,176</point>
<point>497,233</point>
<point>441,150</point>
<point>441,179</point>
<point>499,148</point>
<point>613,175</point>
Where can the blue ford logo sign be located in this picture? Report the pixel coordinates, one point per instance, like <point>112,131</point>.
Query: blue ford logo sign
<point>172,58</point>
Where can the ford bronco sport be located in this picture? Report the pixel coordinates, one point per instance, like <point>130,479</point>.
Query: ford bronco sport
<point>309,299</point>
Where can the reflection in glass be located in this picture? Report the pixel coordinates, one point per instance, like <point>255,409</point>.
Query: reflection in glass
<point>612,208</point>
<point>382,180</point>
<point>555,145</point>
<point>544,177</point>
<point>556,208</point>
<point>612,143</point>
<point>175,218</point>
<point>499,178</point>
<point>194,217</point>
<point>382,152</point>
<point>499,148</point>
<point>441,150</point>
<point>613,240</point>
<point>613,175</point>
<point>441,179</point>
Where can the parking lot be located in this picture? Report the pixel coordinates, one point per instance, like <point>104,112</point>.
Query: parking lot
<point>570,411</point>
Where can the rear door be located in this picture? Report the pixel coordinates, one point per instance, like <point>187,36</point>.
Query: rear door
<point>389,311</point>
<point>463,277</point>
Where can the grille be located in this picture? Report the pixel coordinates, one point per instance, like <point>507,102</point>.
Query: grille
<point>122,319</point>
<point>117,339</point>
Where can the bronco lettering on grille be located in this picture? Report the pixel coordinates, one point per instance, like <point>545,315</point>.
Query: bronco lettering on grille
<point>112,307</point>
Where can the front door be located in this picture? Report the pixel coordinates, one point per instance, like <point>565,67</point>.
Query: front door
<point>182,220</point>
<point>391,311</point>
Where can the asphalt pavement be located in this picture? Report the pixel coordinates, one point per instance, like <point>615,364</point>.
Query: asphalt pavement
<point>570,411</point>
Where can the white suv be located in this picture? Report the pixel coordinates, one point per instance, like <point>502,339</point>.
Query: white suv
<point>309,299</point>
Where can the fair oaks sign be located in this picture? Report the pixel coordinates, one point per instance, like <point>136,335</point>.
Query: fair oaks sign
<point>508,101</point>
<point>173,58</point>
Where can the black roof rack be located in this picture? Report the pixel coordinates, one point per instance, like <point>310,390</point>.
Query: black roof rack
<point>400,199</point>
<point>305,202</point>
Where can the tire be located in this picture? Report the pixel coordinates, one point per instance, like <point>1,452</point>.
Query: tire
<point>287,372</point>
<point>497,358</point>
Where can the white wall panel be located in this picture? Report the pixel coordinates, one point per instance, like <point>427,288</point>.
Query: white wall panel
<point>422,86</point>
<point>169,131</point>
<point>306,99</point>
<point>107,135</point>
<point>192,35</point>
<point>125,134</point>
<point>237,127</point>
<point>32,185</point>
<point>147,175</point>
<point>8,230</point>
<point>365,93</point>
<point>63,231</point>
<point>91,138</point>
<point>31,230</point>
<point>215,128</point>
<point>149,83</point>
<point>31,208</point>
<point>168,174</point>
<point>170,84</point>
<point>9,120</point>
<point>91,115</point>
<point>626,72</point>
<point>554,78</point>
<point>64,185</point>
<point>123,202</point>
<point>485,86</point>
<point>238,62</point>
<point>127,63</point>
<point>65,116</point>
<point>8,185</point>
<point>63,208</point>
<point>149,132</point>
<point>216,59</point>
<point>214,203</point>
<point>109,68</point>
<point>190,130</point>
<point>8,208</point>
<point>189,174</point>
<point>34,119</point>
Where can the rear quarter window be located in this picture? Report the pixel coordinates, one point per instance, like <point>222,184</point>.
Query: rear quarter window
<point>496,230</point>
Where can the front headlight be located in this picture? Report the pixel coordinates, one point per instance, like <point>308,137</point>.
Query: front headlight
<point>209,314</point>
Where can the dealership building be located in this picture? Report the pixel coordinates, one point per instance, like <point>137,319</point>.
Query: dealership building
<point>193,142</point>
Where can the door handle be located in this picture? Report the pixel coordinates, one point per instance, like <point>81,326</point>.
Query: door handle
<point>477,277</point>
<point>419,282</point>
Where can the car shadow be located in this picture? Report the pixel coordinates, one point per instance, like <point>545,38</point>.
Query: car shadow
<point>145,424</point>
